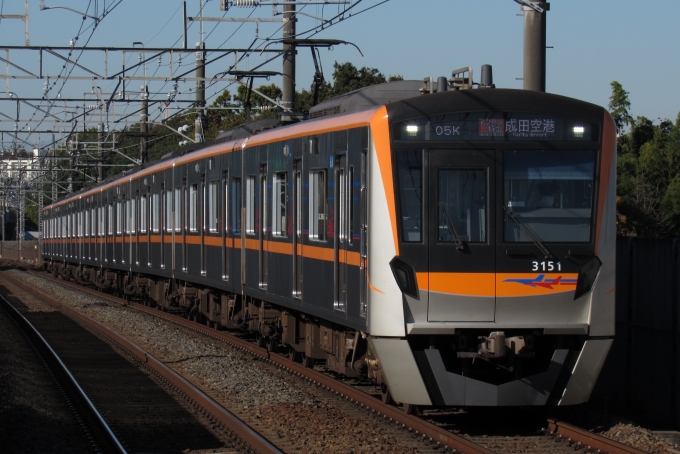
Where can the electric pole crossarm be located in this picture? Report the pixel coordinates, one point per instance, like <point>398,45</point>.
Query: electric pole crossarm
<point>68,60</point>
<point>18,67</point>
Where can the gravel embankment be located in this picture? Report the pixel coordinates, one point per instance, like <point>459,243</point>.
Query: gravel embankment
<point>303,417</point>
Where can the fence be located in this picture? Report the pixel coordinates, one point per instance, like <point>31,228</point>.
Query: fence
<point>641,372</point>
<point>30,250</point>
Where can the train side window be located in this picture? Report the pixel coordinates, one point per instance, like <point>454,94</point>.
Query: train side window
<point>193,206</point>
<point>101,221</point>
<point>212,206</point>
<point>119,218</point>
<point>317,205</point>
<point>132,215</point>
<point>86,220</point>
<point>168,210</point>
<point>126,218</point>
<point>236,206</point>
<point>280,199</point>
<point>352,195</point>
<point>409,174</point>
<point>80,224</point>
<point>110,213</point>
<point>155,212</point>
<point>178,209</point>
<point>250,205</point>
<point>142,213</point>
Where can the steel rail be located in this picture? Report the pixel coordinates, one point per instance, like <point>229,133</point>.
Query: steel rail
<point>224,416</point>
<point>44,348</point>
<point>426,429</point>
<point>595,441</point>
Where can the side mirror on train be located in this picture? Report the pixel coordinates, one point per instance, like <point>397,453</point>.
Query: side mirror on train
<point>586,277</point>
<point>405,277</point>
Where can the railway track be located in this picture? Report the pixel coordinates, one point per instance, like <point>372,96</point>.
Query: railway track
<point>558,437</point>
<point>144,401</point>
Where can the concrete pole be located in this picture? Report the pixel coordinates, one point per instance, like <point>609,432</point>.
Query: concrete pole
<point>534,47</point>
<point>288,84</point>
<point>144,127</point>
<point>200,92</point>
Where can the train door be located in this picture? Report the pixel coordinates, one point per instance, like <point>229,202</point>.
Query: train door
<point>461,241</point>
<point>363,233</point>
<point>262,214</point>
<point>202,200</point>
<point>224,224</point>
<point>340,239</point>
<point>297,229</point>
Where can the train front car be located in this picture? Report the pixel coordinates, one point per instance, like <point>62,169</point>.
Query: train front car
<point>491,248</point>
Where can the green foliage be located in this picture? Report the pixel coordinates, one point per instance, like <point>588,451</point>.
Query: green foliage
<point>648,175</point>
<point>619,105</point>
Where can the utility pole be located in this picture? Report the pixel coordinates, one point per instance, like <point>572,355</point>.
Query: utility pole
<point>288,84</point>
<point>144,127</point>
<point>534,45</point>
<point>200,92</point>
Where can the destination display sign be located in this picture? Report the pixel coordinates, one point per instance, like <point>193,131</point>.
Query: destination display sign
<point>495,126</point>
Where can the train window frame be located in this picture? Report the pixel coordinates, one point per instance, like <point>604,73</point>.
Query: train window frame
<point>119,218</point>
<point>155,212</point>
<point>86,222</point>
<point>402,196</point>
<point>212,212</point>
<point>168,211</point>
<point>236,206</point>
<point>318,198</point>
<point>128,215</point>
<point>280,204</point>
<point>250,205</point>
<point>193,208</point>
<point>101,212</point>
<point>178,209</point>
<point>133,215</point>
<point>143,210</point>
<point>110,217</point>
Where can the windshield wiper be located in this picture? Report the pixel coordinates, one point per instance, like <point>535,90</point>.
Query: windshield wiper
<point>452,230</point>
<point>528,233</point>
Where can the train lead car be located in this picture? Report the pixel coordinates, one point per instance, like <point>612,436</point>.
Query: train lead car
<point>454,244</point>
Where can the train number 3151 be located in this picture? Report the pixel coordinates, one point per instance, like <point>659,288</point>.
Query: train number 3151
<point>546,265</point>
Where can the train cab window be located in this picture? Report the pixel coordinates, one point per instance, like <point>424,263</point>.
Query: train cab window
<point>143,213</point>
<point>168,210</point>
<point>279,213</point>
<point>250,205</point>
<point>461,205</point>
<point>236,206</point>
<point>155,212</point>
<point>551,193</point>
<point>193,208</point>
<point>409,174</point>
<point>178,209</point>
<point>317,205</point>
<point>212,220</point>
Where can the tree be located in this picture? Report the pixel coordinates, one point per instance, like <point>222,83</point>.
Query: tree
<point>619,105</point>
<point>648,172</point>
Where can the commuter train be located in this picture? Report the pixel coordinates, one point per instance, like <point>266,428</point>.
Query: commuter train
<point>455,244</point>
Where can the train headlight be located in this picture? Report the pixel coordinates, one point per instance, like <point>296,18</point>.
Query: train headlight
<point>412,130</point>
<point>578,131</point>
<point>586,277</point>
<point>405,277</point>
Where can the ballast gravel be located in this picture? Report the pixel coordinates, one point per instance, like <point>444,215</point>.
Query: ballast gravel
<point>303,417</point>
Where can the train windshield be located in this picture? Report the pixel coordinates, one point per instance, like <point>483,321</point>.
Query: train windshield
<point>550,193</point>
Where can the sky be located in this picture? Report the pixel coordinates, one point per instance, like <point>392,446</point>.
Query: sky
<point>592,43</point>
